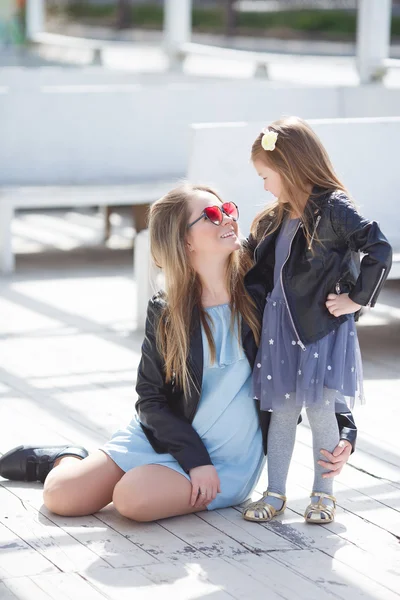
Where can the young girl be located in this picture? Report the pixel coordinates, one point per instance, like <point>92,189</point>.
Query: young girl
<point>306,250</point>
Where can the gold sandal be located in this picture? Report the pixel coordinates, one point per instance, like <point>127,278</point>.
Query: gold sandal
<point>319,512</point>
<point>262,511</point>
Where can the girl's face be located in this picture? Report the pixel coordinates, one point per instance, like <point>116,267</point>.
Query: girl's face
<point>272,179</point>
<point>205,238</point>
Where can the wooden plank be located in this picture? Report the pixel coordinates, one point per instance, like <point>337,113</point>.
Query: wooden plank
<point>354,529</point>
<point>22,588</point>
<point>334,576</point>
<point>168,582</point>
<point>68,586</point>
<point>153,538</point>
<point>371,549</point>
<point>109,545</point>
<point>256,539</point>
<point>18,558</point>
<point>204,537</point>
<point>384,569</point>
<point>225,576</point>
<point>194,579</point>
<point>282,580</point>
<point>7,594</point>
<point>53,543</point>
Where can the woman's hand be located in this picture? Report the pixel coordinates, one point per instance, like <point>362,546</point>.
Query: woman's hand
<point>336,461</point>
<point>341,305</point>
<point>205,485</point>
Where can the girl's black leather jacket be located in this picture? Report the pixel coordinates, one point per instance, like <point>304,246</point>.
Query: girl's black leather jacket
<point>164,412</point>
<point>330,265</point>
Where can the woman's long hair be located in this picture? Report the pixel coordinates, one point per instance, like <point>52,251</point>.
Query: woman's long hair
<point>302,163</point>
<point>168,222</point>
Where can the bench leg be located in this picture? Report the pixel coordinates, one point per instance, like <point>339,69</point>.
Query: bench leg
<point>7,262</point>
<point>97,57</point>
<point>261,71</point>
<point>140,216</point>
<point>107,223</point>
<point>146,276</point>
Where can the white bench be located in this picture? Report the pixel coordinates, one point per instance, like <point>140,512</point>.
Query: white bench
<point>96,47</point>
<point>259,59</point>
<point>363,152</point>
<point>38,197</point>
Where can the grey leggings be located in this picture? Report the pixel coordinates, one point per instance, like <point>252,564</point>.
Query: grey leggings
<point>281,438</point>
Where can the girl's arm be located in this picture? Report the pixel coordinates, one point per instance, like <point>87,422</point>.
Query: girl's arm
<point>171,432</point>
<point>364,236</point>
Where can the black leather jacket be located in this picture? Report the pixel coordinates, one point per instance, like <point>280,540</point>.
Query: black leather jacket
<point>166,415</point>
<point>333,266</point>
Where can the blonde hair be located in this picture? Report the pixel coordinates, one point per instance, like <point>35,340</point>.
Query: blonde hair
<point>168,222</point>
<point>302,163</point>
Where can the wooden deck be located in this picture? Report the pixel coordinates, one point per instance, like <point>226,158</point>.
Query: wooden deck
<point>68,355</point>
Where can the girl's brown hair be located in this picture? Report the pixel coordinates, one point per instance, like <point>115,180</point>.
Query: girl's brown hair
<point>302,163</point>
<point>168,222</point>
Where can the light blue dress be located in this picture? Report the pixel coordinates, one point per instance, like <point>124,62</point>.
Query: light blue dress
<point>226,420</point>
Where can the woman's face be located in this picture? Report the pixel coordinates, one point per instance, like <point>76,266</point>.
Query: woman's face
<point>272,179</point>
<point>205,238</point>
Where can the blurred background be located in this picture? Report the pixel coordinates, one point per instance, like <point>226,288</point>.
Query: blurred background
<point>104,106</point>
<point>89,89</point>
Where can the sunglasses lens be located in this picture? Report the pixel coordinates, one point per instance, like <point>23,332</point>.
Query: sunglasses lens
<point>214,214</point>
<point>231,210</point>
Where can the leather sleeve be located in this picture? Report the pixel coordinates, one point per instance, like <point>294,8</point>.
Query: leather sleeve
<point>347,427</point>
<point>365,236</point>
<point>173,432</point>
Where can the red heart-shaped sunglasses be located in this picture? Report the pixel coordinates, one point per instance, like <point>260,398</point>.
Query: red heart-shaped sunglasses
<point>215,214</point>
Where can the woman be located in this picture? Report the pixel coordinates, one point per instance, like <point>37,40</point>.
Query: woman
<point>199,439</point>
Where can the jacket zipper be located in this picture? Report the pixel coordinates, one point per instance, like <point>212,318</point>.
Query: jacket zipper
<point>315,231</point>
<point>302,346</point>
<point>377,286</point>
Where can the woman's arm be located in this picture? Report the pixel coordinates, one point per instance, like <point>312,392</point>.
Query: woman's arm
<point>173,432</point>
<point>364,236</point>
<point>335,461</point>
<point>347,426</point>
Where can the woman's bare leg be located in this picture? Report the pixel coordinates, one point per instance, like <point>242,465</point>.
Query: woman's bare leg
<point>153,492</point>
<point>77,487</point>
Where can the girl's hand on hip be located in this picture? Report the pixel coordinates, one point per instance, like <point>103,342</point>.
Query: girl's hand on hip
<point>341,304</point>
<point>205,485</point>
<point>335,461</point>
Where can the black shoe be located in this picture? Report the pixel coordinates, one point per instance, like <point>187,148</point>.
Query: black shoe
<point>33,463</point>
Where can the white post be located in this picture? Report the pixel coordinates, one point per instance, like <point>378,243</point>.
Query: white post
<point>373,38</point>
<point>177,28</point>
<point>7,263</point>
<point>35,19</point>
